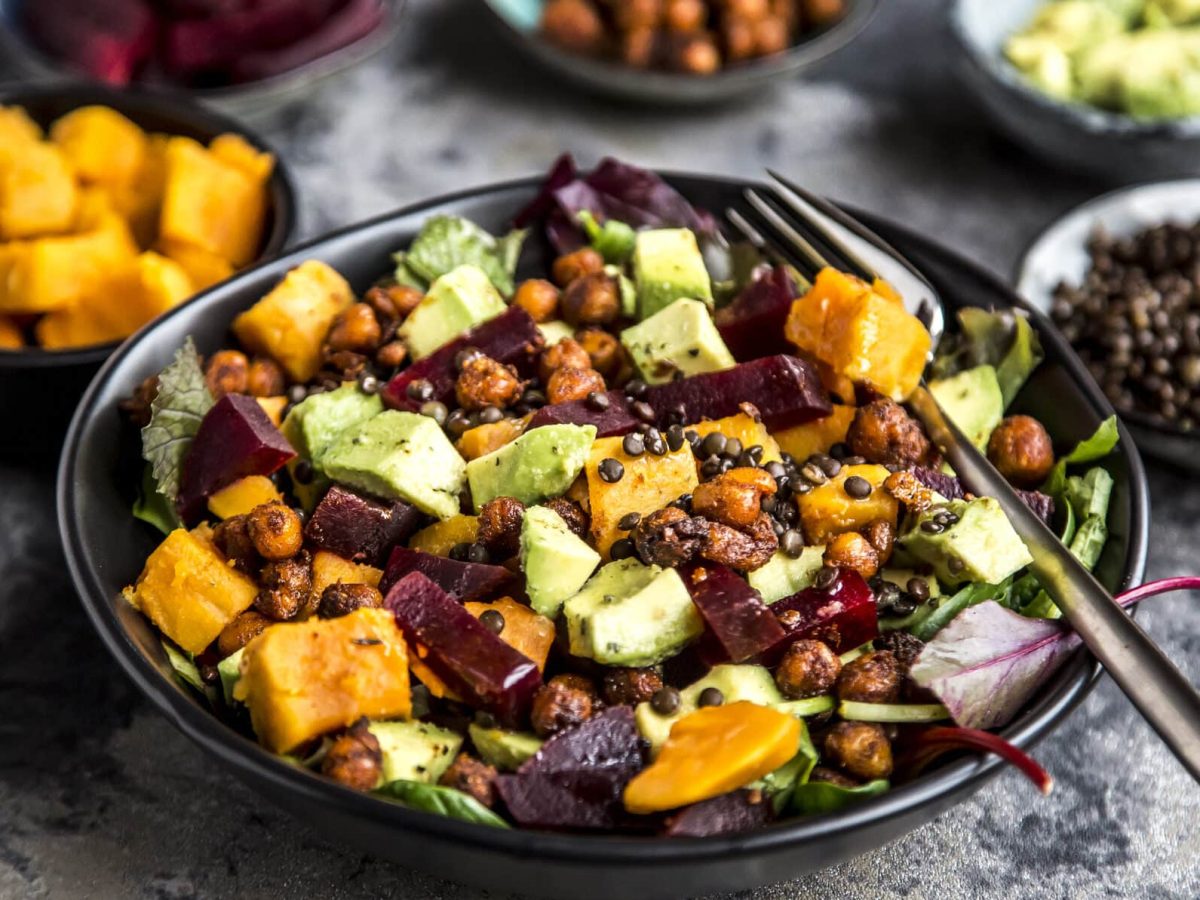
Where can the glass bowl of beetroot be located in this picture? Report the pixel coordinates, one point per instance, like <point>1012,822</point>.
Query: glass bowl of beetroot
<point>573,557</point>
<point>244,58</point>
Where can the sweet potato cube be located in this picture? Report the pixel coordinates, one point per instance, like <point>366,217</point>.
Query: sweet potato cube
<point>329,568</point>
<point>190,591</point>
<point>843,321</point>
<point>38,192</point>
<point>103,146</point>
<point>139,200</point>
<point>235,150</point>
<point>11,337</point>
<point>204,268</point>
<point>484,439</point>
<point>440,537</point>
<point>290,323</point>
<point>242,496</point>
<point>827,511</point>
<point>650,482</point>
<point>745,429</point>
<point>211,204</point>
<point>273,407</point>
<point>16,130</point>
<point>802,441</point>
<point>303,679</point>
<point>524,630</point>
<point>59,272</point>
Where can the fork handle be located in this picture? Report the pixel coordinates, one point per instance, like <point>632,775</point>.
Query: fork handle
<point>1161,693</point>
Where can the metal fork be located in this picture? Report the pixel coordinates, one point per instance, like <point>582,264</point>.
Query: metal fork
<point>810,233</point>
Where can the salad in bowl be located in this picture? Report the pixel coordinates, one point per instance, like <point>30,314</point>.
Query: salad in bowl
<point>646,543</point>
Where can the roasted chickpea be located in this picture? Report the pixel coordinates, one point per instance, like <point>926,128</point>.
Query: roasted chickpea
<point>569,384</point>
<point>742,550</point>
<point>904,646</point>
<point>227,372</point>
<point>342,599</point>
<point>685,16</point>
<point>483,381</point>
<point>809,668</point>
<point>771,36</point>
<point>593,299</point>
<point>860,749</point>
<point>738,35</point>
<point>831,776</point>
<point>633,14</point>
<point>393,302</point>
<point>342,365</point>
<point>602,348</point>
<point>572,513</point>
<point>567,353</point>
<point>574,266</point>
<point>265,378</point>
<point>472,776</point>
<point>574,25</point>
<point>356,329</point>
<point>241,631</point>
<point>500,526</point>
<point>391,355</point>
<point>539,298</point>
<point>733,497</point>
<point>563,702</point>
<point>276,530</point>
<point>355,758</point>
<point>823,12</point>
<point>881,534</point>
<point>749,10</point>
<point>873,677</point>
<point>137,405</point>
<point>669,537</point>
<point>637,47</point>
<point>1021,449</point>
<point>698,56</point>
<point>883,432</point>
<point>905,487</point>
<point>852,551</point>
<point>232,539</point>
<point>286,588</point>
<point>629,687</point>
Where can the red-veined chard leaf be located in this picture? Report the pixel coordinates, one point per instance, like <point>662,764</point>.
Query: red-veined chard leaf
<point>175,415</point>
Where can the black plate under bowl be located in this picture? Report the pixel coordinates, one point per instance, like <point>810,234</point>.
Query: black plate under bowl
<point>39,388</point>
<point>105,548</point>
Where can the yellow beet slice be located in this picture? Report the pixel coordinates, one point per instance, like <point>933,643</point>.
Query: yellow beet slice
<point>440,537</point>
<point>189,590</point>
<point>828,511</point>
<point>242,496</point>
<point>303,679</point>
<point>712,751</point>
<point>329,568</point>
<point>802,441</point>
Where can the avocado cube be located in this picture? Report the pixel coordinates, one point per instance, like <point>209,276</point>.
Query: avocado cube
<point>753,684</point>
<point>315,423</point>
<point>505,750</point>
<point>400,456</point>
<point>460,299</point>
<point>538,465</point>
<point>556,562</point>
<point>980,546</point>
<point>555,331</point>
<point>973,401</point>
<point>629,614</point>
<point>667,265</point>
<point>781,575</point>
<point>680,338</point>
<point>415,751</point>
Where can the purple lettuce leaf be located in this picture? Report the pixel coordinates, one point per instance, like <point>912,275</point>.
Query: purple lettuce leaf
<point>950,487</point>
<point>986,664</point>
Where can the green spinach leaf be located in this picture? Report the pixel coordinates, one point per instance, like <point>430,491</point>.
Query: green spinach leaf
<point>821,797</point>
<point>968,596</point>
<point>443,801</point>
<point>1099,445</point>
<point>152,507</point>
<point>613,240</point>
<point>184,666</point>
<point>447,242</point>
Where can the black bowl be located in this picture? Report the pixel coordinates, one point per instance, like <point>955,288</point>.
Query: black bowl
<point>105,549</point>
<point>39,388</point>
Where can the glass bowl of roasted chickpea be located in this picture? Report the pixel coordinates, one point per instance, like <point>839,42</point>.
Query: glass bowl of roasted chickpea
<point>679,51</point>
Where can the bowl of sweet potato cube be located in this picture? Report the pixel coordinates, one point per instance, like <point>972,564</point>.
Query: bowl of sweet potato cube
<point>115,207</point>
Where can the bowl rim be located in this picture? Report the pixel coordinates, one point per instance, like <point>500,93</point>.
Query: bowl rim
<point>13,36</point>
<point>246,758</point>
<point>658,85</point>
<point>1137,418</point>
<point>131,102</point>
<point>1092,119</point>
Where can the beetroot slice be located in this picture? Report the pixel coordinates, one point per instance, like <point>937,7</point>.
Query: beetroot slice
<point>785,390</point>
<point>235,439</point>
<point>752,325</point>
<point>108,41</point>
<point>610,422</point>
<point>353,21</point>
<point>742,624</point>
<point>951,487</point>
<point>844,616</point>
<point>511,337</point>
<point>726,814</point>
<point>461,580</point>
<point>576,779</point>
<point>359,529</point>
<point>477,665</point>
<point>219,42</point>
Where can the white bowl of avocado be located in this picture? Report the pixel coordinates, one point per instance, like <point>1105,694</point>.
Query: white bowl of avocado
<point>1105,87</point>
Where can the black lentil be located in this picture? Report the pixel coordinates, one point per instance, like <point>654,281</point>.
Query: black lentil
<point>643,410</point>
<point>825,578</point>
<point>791,543</point>
<point>665,701</point>
<point>710,696</point>
<point>857,487</point>
<point>622,548</point>
<point>435,410</point>
<point>714,444</point>
<point>611,470</point>
<point>492,620</point>
<point>629,521</point>
<point>597,401</point>
<point>419,390</point>
<point>490,415</point>
<point>675,437</point>
<point>918,588</point>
